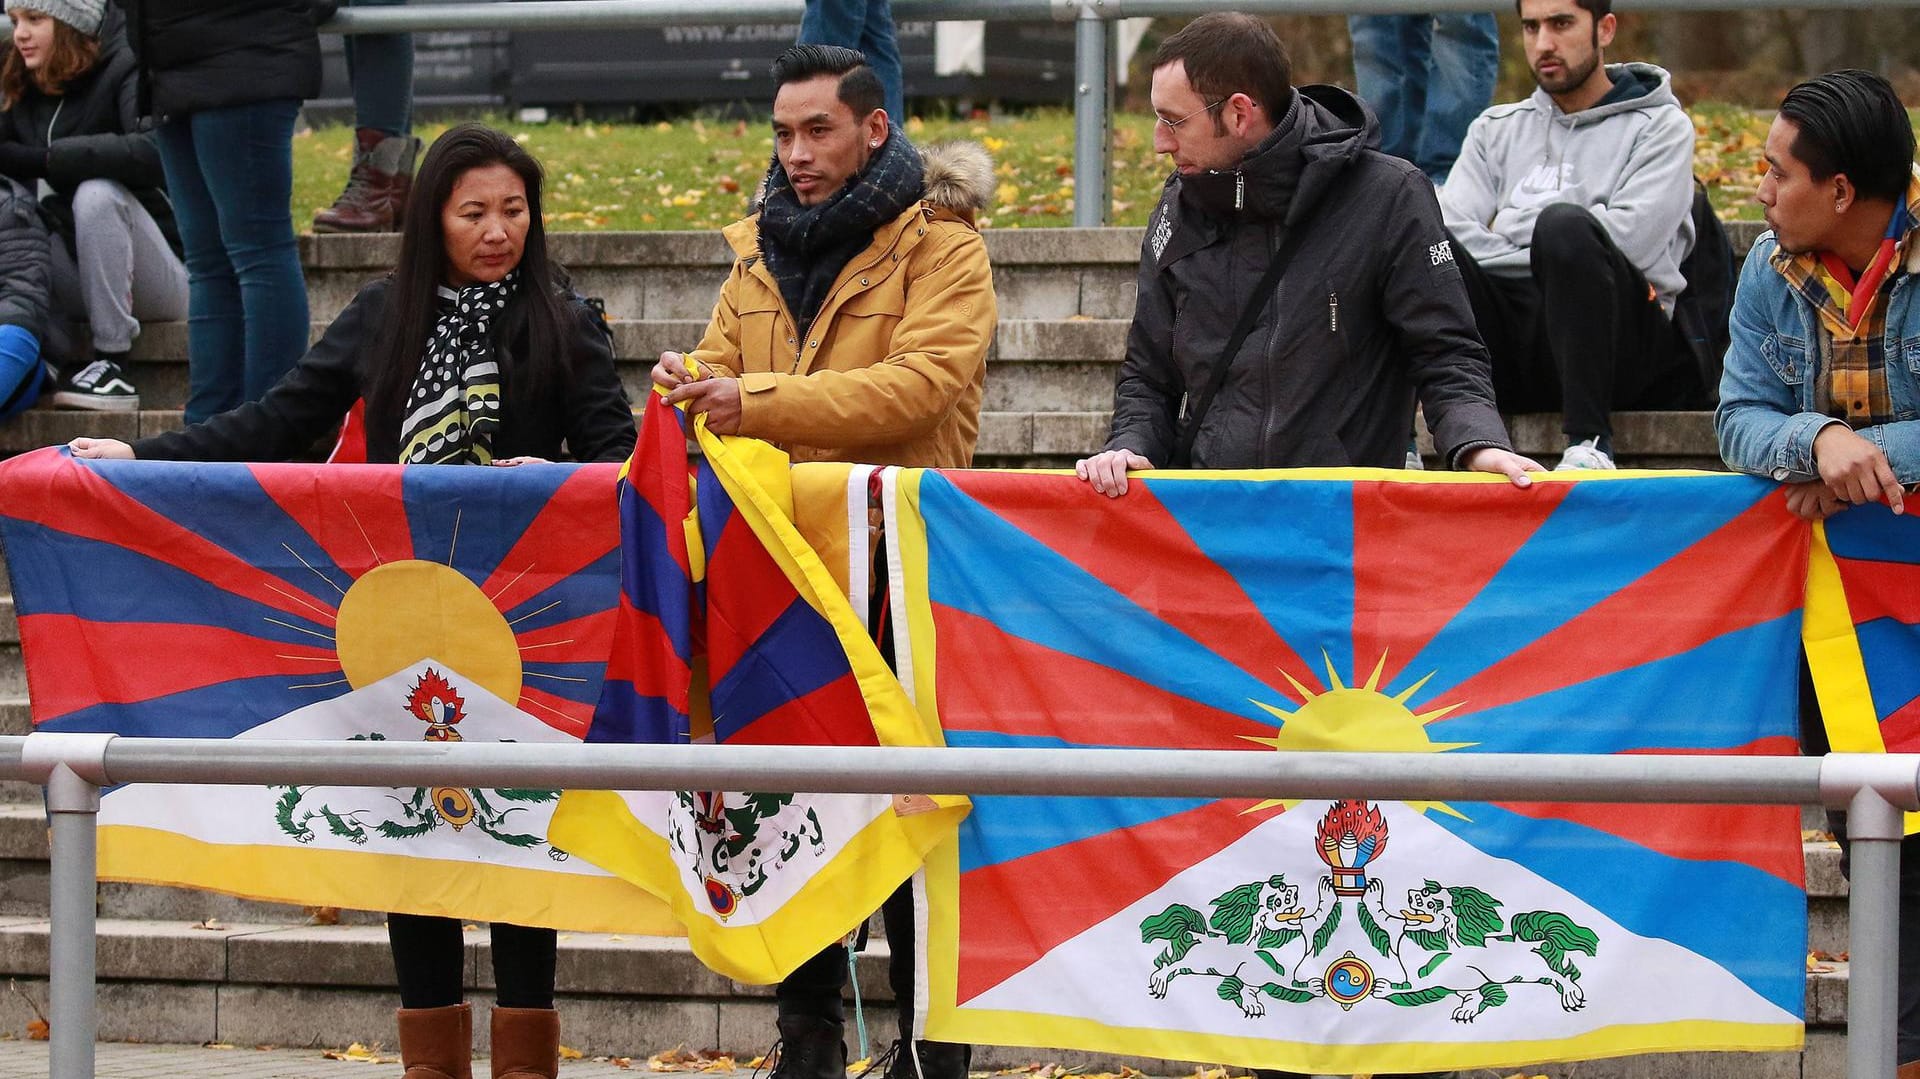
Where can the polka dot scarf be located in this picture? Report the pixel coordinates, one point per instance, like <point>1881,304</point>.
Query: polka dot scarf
<point>454,409</point>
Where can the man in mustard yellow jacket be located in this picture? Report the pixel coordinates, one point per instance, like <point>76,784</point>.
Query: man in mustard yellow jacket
<point>853,327</point>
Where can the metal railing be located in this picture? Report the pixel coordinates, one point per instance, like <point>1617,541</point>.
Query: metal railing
<point>1093,40</point>
<point>1874,789</point>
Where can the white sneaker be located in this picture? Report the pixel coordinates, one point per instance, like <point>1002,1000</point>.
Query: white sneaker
<point>1584,456</point>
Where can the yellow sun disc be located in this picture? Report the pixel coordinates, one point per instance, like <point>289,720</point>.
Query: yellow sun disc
<point>403,612</point>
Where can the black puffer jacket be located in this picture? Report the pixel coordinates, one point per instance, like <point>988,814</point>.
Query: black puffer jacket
<point>208,54</point>
<point>26,262</point>
<point>591,416</point>
<point>93,130</point>
<point>1370,311</point>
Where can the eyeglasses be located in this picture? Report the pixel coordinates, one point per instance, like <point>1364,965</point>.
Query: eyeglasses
<point>1174,125</point>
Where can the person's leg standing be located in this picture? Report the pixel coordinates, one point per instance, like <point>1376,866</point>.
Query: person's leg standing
<point>250,178</point>
<point>436,1026</point>
<point>1462,70</point>
<point>1389,65</point>
<point>216,323</point>
<point>380,73</point>
<point>525,1026</point>
<point>866,25</point>
<point>880,42</point>
<point>1609,339</point>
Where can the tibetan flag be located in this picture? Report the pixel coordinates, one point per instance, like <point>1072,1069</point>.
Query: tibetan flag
<point>732,629</point>
<point>1656,613</point>
<point>170,599</point>
<point>1863,631</point>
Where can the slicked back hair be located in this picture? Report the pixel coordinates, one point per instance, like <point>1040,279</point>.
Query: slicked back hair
<point>1852,122</point>
<point>1227,53</point>
<point>860,88</point>
<point>1599,9</point>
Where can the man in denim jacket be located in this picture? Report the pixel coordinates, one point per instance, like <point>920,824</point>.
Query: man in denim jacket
<point>1821,389</point>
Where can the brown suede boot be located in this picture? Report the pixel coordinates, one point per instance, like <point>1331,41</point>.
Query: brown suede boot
<point>526,1043</point>
<point>375,199</point>
<point>437,1043</point>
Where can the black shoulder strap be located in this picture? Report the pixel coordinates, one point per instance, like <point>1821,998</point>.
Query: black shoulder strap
<point>1262,296</point>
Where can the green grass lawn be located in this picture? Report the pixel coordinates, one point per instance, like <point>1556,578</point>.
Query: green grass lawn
<point>697,174</point>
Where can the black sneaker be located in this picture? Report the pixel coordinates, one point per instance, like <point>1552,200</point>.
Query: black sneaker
<point>100,386</point>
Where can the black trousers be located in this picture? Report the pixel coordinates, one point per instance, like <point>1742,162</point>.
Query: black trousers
<point>1813,740</point>
<point>1583,335</point>
<point>814,990</point>
<point>429,959</point>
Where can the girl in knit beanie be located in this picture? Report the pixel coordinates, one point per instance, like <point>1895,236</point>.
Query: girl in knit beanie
<point>99,241</point>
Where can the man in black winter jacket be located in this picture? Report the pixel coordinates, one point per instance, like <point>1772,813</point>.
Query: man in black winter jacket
<point>1370,310</point>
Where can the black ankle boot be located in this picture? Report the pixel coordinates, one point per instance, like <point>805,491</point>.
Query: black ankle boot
<point>938,1060</point>
<point>809,1048</point>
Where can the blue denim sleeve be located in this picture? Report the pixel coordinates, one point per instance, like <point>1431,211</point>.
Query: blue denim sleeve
<point>1900,441</point>
<point>1761,429</point>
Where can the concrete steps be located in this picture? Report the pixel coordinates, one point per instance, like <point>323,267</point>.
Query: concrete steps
<point>1065,297</point>
<point>184,966</point>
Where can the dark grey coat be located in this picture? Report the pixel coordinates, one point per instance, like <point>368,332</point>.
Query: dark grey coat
<point>1371,311</point>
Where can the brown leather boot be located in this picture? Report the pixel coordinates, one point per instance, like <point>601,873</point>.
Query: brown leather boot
<point>526,1043</point>
<point>1909,1070</point>
<point>437,1043</point>
<point>375,199</point>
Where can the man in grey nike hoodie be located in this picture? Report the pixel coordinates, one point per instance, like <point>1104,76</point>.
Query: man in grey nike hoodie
<point>1570,216</point>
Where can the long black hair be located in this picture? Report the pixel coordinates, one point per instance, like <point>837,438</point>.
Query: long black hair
<point>538,314</point>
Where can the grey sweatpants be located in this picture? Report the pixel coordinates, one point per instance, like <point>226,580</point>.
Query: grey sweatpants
<point>120,271</point>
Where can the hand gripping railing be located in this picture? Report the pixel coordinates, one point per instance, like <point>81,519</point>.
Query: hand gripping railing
<point>1874,789</point>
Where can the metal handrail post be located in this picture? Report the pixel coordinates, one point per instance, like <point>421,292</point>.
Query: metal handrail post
<point>73,768</point>
<point>1092,119</point>
<point>72,1007</point>
<point>1875,827</point>
<point>1875,790</point>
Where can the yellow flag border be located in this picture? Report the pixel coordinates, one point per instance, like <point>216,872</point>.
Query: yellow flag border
<point>947,1021</point>
<point>368,880</point>
<point>598,826</point>
<point>1833,655</point>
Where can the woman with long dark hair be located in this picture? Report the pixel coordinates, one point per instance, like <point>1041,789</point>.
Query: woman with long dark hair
<point>473,351</point>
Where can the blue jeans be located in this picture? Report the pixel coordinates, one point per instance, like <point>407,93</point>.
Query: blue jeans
<point>380,70</point>
<point>1426,78</point>
<point>866,25</point>
<point>230,173</point>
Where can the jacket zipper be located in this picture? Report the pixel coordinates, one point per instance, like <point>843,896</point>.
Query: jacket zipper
<point>1333,312</point>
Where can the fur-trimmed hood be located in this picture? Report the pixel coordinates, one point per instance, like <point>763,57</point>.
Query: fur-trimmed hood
<point>959,178</point>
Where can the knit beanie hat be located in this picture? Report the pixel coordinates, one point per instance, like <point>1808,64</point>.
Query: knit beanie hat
<point>82,15</point>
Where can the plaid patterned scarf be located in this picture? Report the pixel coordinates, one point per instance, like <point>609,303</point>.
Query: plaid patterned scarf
<point>806,247</point>
<point>454,409</point>
<point>1853,319</point>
